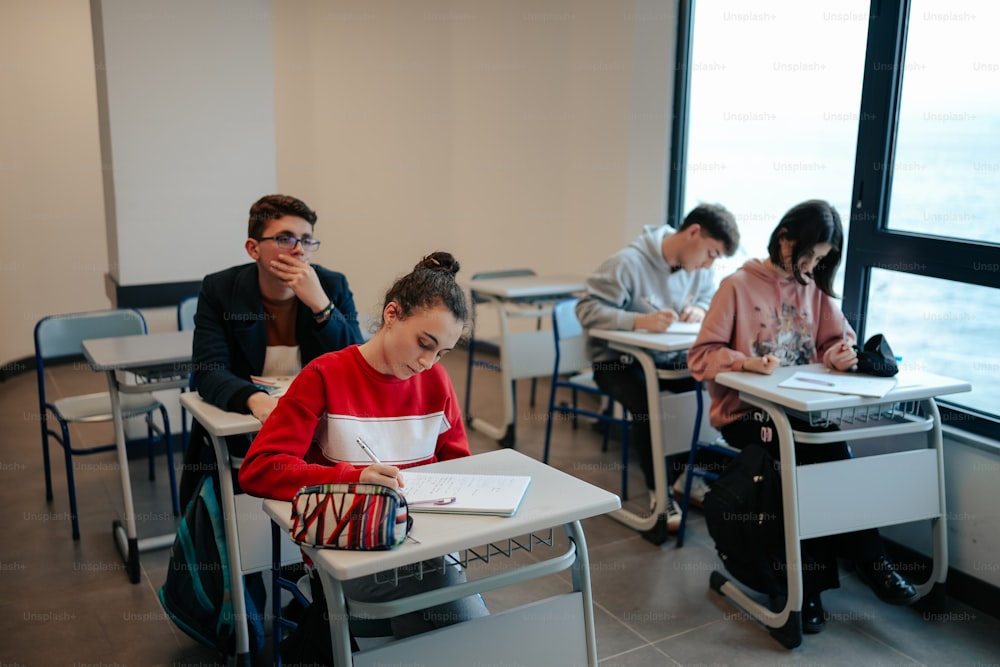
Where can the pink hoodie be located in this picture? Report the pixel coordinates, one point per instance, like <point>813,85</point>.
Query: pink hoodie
<point>757,312</point>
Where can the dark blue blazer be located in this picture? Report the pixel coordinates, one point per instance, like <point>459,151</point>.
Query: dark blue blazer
<point>230,334</point>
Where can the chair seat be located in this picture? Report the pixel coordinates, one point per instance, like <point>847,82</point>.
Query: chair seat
<point>97,407</point>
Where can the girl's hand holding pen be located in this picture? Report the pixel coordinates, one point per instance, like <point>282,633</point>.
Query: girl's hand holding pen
<point>764,365</point>
<point>843,357</point>
<point>384,474</point>
<point>378,472</point>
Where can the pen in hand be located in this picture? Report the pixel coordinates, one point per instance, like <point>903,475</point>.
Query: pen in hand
<point>376,460</point>
<point>367,450</point>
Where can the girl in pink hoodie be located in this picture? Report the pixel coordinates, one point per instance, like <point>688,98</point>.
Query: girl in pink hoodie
<point>781,312</point>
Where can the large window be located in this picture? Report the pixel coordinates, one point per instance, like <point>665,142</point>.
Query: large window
<point>892,113</point>
<point>775,93</point>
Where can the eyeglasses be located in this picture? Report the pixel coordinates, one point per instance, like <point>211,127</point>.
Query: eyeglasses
<point>286,242</point>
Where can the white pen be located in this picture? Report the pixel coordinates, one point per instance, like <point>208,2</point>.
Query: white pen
<point>843,328</point>
<point>368,450</point>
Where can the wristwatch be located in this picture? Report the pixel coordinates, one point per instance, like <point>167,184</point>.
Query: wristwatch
<point>324,314</point>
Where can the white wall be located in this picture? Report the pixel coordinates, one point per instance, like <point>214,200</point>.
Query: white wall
<point>501,131</point>
<point>53,255</point>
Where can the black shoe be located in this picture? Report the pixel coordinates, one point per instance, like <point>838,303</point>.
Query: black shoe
<point>886,583</point>
<point>813,617</point>
<point>659,533</point>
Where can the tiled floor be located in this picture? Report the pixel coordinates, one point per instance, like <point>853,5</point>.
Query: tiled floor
<point>66,603</point>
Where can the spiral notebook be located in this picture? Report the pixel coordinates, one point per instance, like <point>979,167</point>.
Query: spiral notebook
<point>458,493</point>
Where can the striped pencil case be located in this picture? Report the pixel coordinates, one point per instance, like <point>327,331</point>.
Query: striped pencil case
<point>363,517</point>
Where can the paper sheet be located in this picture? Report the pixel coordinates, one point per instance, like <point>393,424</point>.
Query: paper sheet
<point>840,383</point>
<point>473,494</point>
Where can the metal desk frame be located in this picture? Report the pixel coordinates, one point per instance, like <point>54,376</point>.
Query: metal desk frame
<point>813,497</point>
<point>553,499</point>
<point>527,354</point>
<point>220,424</point>
<point>643,345</point>
<point>160,361</point>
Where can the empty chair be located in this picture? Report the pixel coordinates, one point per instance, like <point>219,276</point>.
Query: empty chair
<point>572,371</point>
<point>717,446</point>
<point>61,337</point>
<point>185,313</point>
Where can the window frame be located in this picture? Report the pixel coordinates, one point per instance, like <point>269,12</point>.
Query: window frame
<point>872,244</point>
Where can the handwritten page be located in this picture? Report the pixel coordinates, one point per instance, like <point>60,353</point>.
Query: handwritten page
<point>464,493</point>
<point>840,383</point>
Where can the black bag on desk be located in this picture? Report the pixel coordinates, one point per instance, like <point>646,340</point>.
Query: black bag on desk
<point>197,594</point>
<point>744,516</point>
<point>876,357</point>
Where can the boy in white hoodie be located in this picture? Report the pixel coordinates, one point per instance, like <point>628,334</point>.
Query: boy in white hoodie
<point>661,277</point>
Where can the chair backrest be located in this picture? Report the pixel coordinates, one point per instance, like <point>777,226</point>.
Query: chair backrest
<point>63,335</point>
<point>571,349</point>
<point>185,313</point>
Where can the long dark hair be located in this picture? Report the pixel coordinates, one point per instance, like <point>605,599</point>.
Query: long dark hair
<point>432,281</point>
<point>806,225</point>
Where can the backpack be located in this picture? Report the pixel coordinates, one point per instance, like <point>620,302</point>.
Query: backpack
<point>744,516</point>
<point>197,594</point>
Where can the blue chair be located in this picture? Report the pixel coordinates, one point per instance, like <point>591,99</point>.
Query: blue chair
<point>185,322</point>
<point>60,337</point>
<point>572,371</point>
<point>717,446</point>
<point>185,313</point>
<point>489,343</point>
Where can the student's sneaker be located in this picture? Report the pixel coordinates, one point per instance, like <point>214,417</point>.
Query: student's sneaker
<point>673,511</point>
<point>699,487</point>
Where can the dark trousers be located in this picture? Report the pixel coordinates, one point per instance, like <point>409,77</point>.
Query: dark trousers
<point>819,555</point>
<point>625,382</point>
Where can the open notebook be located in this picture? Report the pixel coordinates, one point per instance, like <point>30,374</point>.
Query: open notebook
<point>841,383</point>
<point>464,493</point>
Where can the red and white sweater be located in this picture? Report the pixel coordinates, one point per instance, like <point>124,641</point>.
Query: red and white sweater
<point>310,437</point>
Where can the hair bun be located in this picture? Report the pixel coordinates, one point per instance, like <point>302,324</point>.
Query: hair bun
<point>440,261</point>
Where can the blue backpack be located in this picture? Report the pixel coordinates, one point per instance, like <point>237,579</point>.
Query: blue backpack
<point>197,594</point>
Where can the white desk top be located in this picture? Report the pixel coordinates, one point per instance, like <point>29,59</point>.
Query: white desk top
<point>553,498</point>
<point>910,386</point>
<point>142,351</point>
<point>655,342</point>
<point>216,421</point>
<point>520,287</point>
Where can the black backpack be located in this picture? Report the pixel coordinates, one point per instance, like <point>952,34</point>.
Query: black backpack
<point>197,594</point>
<point>744,517</point>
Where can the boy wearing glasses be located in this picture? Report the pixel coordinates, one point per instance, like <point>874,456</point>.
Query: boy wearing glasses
<point>269,317</point>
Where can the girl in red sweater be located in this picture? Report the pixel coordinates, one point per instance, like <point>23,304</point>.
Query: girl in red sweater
<point>391,392</point>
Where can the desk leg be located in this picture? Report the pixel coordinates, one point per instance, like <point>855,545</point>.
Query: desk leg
<point>933,588</point>
<point>236,587</point>
<point>625,516</point>
<point>336,604</point>
<point>125,535</point>
<point>785,625</point>
<point>581,582</point>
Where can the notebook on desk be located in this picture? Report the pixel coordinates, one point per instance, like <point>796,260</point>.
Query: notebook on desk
<point>464,493</point>
<point>840,383</point>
